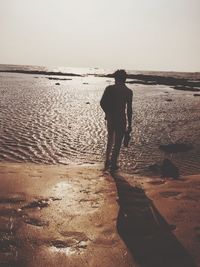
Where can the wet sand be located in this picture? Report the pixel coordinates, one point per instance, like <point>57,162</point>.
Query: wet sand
<point>178,201</point>
<point>80,216</point>
<point>46,123</point>
<point>59,216</point>
<point>159,219</point>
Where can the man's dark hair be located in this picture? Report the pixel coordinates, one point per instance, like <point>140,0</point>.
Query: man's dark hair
<point>120,75</point>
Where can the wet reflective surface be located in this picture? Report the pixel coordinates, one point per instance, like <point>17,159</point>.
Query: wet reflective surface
<point>60,219</point>
<point>41,122</point>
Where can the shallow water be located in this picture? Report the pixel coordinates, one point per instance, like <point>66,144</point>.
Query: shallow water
<point>42,122</point>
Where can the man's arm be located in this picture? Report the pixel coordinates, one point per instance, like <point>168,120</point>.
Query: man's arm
<point>129,111</point>
<point>105,101</point>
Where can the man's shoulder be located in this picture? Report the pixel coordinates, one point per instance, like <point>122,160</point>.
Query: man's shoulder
<point>129,91</point>
<point>110,87</point>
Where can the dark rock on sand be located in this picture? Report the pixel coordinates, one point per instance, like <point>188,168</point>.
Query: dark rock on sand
<point>196,94</point>
<point>168,169</point>
<point>142,82</point>
<point>175,148</point>
<point>57,83</point>
<point>58,79</point>
<point>38,72</point>
<point>179,83</point>
<point>186,88</point>
<point>169,100</point>
<point>154,168</point>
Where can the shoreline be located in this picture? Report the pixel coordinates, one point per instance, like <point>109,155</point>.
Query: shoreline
<point>79,216</point>
<point>38,72</point>
<point>161,78</point>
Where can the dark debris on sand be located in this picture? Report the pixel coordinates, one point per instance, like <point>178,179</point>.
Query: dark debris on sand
<point>166,170</point>
<point>176,148</point>
<point>169,170</point>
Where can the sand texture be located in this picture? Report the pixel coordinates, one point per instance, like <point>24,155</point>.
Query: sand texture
<point>159,220</point>
<point>59,216</point>
<point>79,216</point>
<point>178,201</point>
<point>46,123</point>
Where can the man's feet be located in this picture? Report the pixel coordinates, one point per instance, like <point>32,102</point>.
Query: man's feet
<point>114,167</point>
<point>107,165</point>
<point>110,166</point>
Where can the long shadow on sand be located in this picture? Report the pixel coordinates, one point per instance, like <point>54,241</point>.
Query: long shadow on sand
<point>145,232</point>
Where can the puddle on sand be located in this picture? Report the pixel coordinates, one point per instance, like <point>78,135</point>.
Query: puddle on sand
<point>65,250</point>
<point>62,187</point>
<point>41,203</point>
<point>69,247</point>
<point>74,243</point>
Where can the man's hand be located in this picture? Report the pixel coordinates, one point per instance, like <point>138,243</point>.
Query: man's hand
<point>129,129</point>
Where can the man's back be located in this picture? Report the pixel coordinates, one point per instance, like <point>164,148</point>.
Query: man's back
<point>114,102</point>
<point>117,105</point>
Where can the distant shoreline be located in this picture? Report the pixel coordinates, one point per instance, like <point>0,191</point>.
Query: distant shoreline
<point>37,72</point>
<point>185,84</point>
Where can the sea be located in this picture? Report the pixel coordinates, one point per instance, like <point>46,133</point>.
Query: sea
<point>47,117</point>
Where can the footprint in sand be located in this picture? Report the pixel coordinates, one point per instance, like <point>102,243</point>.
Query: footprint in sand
<point>159,182</point>
<point>168,194</point>
<point>40,203</point>
<point>35,222</point>
<point>73,243</point>
<point>106,242</point>
<point>76,235</point>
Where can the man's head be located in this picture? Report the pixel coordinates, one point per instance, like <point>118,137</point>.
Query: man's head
<point>120,76</point>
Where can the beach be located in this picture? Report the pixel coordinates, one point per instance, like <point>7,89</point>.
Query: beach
<point>57,119</point>
<point>59,216</point>
<point>81,216</point>
<point>59,208</point>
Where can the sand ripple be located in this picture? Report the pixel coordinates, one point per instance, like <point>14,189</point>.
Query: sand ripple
<point>42,122</point>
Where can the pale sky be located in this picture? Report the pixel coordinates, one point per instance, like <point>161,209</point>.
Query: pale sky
<point>130,34</point>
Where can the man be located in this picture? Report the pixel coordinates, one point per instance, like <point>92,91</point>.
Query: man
<point>117,105</point>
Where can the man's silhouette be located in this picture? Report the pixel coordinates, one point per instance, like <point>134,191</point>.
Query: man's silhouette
<point>117,105</point>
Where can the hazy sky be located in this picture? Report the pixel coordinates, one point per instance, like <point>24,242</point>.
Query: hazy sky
<point>131,34</point>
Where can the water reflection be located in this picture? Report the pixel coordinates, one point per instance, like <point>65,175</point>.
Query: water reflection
<point>41,122</point>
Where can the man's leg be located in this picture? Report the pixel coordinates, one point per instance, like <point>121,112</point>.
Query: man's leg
<point>110,141</point>
<point>115,154</point>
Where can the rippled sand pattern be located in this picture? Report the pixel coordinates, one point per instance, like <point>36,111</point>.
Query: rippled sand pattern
<point>42,122</point>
